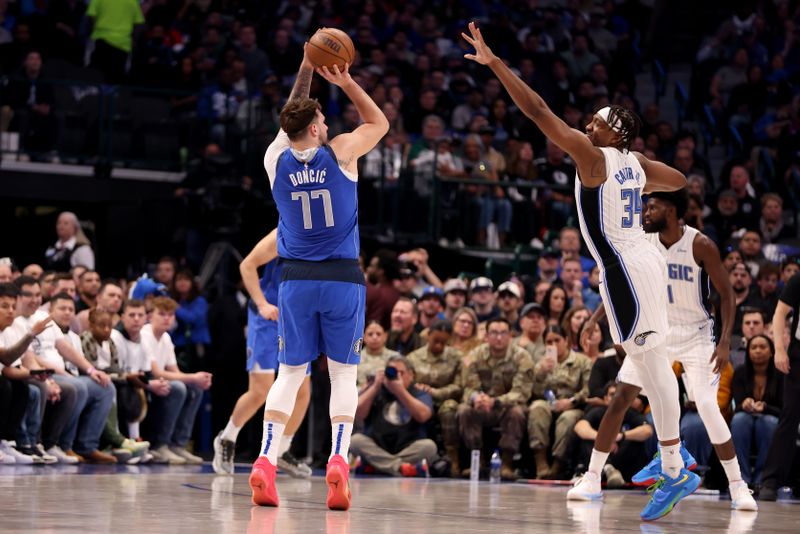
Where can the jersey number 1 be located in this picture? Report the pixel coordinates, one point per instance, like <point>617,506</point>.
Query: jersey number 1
<point>305,202</point>
<point>632,199</point>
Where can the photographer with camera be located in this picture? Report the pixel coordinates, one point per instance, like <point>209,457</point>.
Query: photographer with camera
<point>395,412</point>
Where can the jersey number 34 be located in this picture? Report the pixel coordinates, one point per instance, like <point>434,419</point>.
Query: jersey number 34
<point>632,205</point>
<point>305,198</point>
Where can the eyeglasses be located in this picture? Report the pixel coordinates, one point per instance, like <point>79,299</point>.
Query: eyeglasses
<point>465,321</point>
<point>497,333</point>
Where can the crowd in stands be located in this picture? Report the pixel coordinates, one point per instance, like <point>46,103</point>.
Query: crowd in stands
<point>90,365</point>
<point>449,363</point>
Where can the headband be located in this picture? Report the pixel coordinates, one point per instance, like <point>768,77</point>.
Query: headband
<point>604,114</point>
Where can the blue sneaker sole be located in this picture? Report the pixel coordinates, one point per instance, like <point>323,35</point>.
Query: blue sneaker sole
<point>687,490</point>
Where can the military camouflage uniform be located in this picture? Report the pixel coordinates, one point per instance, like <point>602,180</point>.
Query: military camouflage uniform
<point>370,365</point>
<point>535,349</point>
<point>568,379</point>
<point>509,379</point>
<point>444,374</point>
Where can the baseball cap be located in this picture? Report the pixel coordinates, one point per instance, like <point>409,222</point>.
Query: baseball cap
<point>146,287</point>
<point>509,287</point>
<point>532,307</point>
<point>481,283</point>
<point>550,252</point>
<point>432,291</point>
<point>455,284</point>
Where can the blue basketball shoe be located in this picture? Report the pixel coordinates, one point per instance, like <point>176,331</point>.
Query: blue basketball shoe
<point>650,473</point>
<point>666,493</point>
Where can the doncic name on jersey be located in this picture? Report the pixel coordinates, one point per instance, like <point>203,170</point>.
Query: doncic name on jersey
<point>308,176</point>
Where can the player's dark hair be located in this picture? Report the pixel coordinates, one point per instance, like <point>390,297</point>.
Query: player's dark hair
<point>296,116</point>
<point>629,124</point>
<point>679,199</point>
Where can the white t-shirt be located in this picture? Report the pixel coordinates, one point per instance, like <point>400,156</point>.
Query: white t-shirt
<point>44,345</point>
<point>132,355</point>
<point>161,351</point>
<point>104,355</point>
<point>9,337</point>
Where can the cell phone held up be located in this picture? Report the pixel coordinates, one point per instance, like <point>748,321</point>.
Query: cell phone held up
<point>551,353</point>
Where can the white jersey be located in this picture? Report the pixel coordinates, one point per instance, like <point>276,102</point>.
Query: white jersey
<point>688,285</point>
<point>632,272</point>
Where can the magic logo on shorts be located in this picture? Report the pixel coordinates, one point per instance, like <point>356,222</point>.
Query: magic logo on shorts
<point>280,343</point>
<point>641,339</point>
<point>358,346</point>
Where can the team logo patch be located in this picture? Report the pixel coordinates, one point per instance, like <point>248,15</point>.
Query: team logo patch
<point>358,346</point>
<point>641,339</point>
<point>280,344</point>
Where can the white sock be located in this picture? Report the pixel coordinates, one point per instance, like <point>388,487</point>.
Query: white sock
<point>732,469</point>
<point>271,439</point>
<point>340,437</point>
<point>286,444</point>
<point>671,460</point>
<point>597,462</point>
<point>133,431</point>
<point>231,431</point>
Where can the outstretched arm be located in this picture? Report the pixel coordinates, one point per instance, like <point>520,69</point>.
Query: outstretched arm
<point>573,142</point>
<point>706,254</point>
<point>660,177</point>
<point>351,146</point>
<point>265,251</point>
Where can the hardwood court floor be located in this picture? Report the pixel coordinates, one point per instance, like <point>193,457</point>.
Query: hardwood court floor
<point>121,499</point>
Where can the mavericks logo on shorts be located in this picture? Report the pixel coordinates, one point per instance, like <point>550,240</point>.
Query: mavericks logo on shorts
<point>359,344</point>
<point>280,344</point>
<point>642,338</point>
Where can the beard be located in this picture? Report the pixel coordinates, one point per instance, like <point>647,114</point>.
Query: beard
<point>654,226</point>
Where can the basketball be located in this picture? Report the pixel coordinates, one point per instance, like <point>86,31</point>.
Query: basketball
<point>329,47</point>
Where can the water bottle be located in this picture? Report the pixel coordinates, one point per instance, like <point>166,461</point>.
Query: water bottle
<point>550,397</point>
<point>785,493</point>
<point>494,464</point>
<point>426,468</point>
<point>475,466</point>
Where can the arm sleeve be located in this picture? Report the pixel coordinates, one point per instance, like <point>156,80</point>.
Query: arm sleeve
<point>274,150</point>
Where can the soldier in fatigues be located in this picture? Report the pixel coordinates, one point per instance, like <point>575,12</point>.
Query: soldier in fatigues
<point>532,321</point>
<point>566,374</point>
<point>497,386</point>
<point>374,354</point>
<point>438,371</point>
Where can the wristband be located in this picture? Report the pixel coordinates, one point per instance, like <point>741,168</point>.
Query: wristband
<point>91,370</point>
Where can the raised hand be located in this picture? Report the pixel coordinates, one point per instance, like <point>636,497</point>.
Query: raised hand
<point>335,76</point>
<point>483,54</point>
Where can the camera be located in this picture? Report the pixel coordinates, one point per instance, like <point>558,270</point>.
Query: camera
<point>390,372</point>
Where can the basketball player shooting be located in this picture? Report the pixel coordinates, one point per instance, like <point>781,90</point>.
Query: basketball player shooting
<point>633,281</point>
<point>322,294</point>
<point>692,261</point>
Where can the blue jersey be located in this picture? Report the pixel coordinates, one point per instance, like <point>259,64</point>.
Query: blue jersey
<point>270,280</point>
<point>318,207</point>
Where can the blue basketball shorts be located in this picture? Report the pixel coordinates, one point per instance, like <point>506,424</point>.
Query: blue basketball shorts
<point>262,343</point>
<point>320,317</point>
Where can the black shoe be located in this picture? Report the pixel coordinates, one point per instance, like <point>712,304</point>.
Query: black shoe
<point>33,453</point>
<point>294,467</point>
<point>767,494</point>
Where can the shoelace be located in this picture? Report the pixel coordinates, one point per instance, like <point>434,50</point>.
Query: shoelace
<point>227,452</point>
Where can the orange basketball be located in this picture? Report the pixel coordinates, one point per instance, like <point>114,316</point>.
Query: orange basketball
<point>329,47</point>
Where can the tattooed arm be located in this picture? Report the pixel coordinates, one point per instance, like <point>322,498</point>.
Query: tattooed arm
<point>302,84</point>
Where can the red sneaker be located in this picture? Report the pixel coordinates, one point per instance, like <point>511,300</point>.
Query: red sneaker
<point>262,482</point>
<point>338,480</point>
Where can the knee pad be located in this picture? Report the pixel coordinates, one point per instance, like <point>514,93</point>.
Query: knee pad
<point>344,393</point>
<point>283,393</point>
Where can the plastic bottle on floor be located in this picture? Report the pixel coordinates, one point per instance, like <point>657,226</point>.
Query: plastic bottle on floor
<point>494,464</point>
